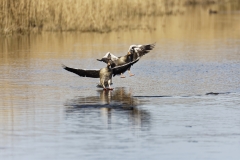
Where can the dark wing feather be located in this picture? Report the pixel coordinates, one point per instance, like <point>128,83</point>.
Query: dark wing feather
<point>83,72</point>
<point>123,68</point>
<point>142,50</point>
<point>148,46</point>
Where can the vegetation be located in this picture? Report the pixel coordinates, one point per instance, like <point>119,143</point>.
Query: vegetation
<point>24,16</point>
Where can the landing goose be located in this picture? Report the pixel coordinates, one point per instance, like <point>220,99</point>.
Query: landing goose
<point>134,52</point>
<point>105,74</point>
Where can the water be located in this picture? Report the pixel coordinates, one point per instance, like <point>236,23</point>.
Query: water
<point>163,112</point>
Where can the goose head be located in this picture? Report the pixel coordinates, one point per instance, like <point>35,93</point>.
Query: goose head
<point>109,60</point>
<point>131,50</point>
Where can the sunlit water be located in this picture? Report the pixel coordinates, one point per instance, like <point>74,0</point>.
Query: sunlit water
<point>163,112</point>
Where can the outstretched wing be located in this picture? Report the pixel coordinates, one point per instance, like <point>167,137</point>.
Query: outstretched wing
<point>105,58</point>
<point>140,50</point>
<point>123,68</point>
<point>83,72</point>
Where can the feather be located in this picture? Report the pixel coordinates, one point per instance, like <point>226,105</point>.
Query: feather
<point>123,68</point>
<point>105,57</point>
<point>140,50</point>
<point>83,72</point>
<point>135,52</point>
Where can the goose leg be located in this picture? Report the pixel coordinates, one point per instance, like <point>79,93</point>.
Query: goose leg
<point>109,85</point>
<point>104,88</point>
<point>130,74</point>
<point>122,76</point>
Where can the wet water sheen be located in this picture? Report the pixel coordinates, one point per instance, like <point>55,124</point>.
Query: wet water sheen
<point>182,103</point>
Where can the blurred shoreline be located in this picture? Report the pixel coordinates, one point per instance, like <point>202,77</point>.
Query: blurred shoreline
<point>101,16</point>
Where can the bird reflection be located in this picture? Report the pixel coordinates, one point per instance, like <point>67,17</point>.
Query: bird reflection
<point>119,98</point>
<point>108,106</point>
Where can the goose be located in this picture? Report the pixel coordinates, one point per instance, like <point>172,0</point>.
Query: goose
<point>134,52</point>
<point>105,74</point>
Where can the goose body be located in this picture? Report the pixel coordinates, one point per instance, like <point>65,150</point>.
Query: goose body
<point>105,74</point>
<point>134,52</point>
<point>123,60</point>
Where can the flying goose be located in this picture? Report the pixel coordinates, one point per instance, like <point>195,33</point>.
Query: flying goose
<point>105,74</point>
<point>134,52</point>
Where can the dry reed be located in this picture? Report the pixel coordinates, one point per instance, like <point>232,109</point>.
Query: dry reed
<point>80,15</point>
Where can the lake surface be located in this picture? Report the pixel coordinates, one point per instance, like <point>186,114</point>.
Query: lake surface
<point>182,103</point>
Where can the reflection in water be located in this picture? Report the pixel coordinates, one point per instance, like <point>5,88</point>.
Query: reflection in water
<point>117,103</point>
<point>118,98</point>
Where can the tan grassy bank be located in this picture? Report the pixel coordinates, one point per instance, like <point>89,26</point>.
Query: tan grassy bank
<point>22,16</point>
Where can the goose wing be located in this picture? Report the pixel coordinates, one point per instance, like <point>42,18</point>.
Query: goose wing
<point>140,50</point>
<point>105,58</point>
<point>83,72</point>
<point>123,68</point>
